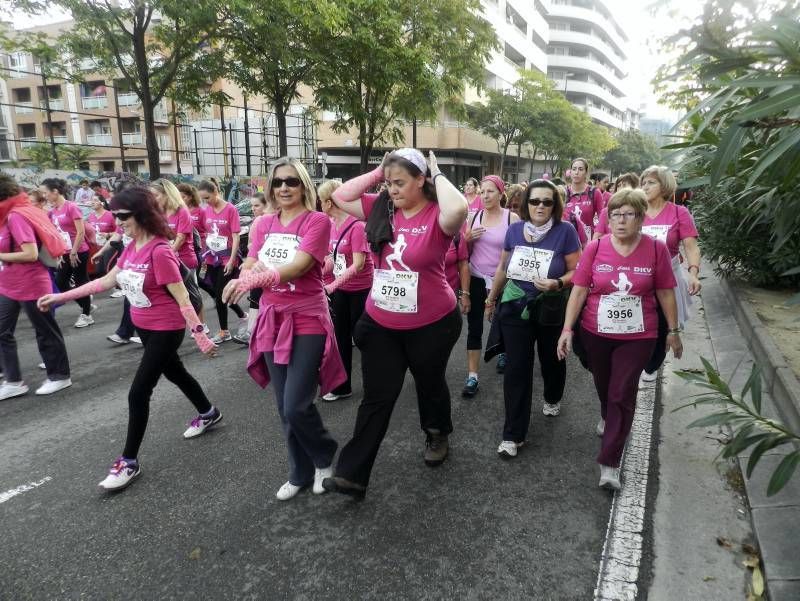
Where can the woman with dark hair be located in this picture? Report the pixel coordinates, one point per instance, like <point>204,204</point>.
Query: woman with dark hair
<point>23,279</point>
<point>411,320</point>
<point>583,201</point>
<point>472,192</point>
<point>532,286</point>
<point>68,219</point>
<point>220,253</point>
<point>102,220</point>
<point>149,274</point>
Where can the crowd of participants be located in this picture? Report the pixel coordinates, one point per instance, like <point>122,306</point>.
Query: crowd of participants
<point>390,261</point>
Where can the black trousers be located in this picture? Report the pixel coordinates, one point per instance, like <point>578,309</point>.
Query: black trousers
<point>160,357</point>
<point>79,274</point>
<point>215,274</point>
<point>660,350</point>
<point>385,356</point>
<point>48,338</point>
<point>520,336</point>
<point>475,317</point>
<point>347,310</point>
<point>125,329</point>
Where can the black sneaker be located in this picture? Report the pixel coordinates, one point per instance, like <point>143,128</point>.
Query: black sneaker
<point>344,487</point>
<point>501,363</point>
<point>470,387</point>
<point>436,449</point>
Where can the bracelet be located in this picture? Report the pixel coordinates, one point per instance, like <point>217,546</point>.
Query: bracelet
<point>560,283</point>
<point>465,293</point>
<point>674,331</point>
<point>697,267</point>
<point>489,302</point>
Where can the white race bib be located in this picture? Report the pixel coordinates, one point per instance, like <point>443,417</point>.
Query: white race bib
<point>65,237</point>
<point>659,232</point>
<point>339,266</point>
<point>528,263</point>
<point>100,238</point>
<point>279,249</point>
<point>216,243</point>
<point>126,240</point>
<point>620,314</point>
<point>395,291</point>
<point>132,285</point>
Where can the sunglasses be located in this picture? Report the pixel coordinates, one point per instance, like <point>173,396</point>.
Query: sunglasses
<point>291,182</point>
<point>545,202</point>
<point>122,215</point>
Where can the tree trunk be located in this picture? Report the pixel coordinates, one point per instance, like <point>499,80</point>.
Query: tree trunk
<point>281,108</point>
<point>146,98</point>
<point>533,160</point>
<point>516,175</point>
<point>364,146</point>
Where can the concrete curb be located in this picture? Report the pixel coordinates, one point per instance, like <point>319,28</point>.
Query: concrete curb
<point>781,382</point>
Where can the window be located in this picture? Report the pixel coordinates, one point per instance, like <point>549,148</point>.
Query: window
<point>106,165</point>
<point>186,141</point>
<point>17,61</point>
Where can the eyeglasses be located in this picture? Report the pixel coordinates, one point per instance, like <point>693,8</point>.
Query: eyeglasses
<point>291,182</point>
<point>122,215</point>
<point>627,216</point>
<point>545,202</point>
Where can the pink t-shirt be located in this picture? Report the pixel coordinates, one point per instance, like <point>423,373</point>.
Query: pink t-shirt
<point>271,242</point>
<point>354,241</point>
<point>476,204</point>
<point>456,252</point>
<point>584,206</point>
<point>64,220</point>
<point>198,219</point>
<point>181,223</point>
<point>104,226</point>
<point>158,265</point>
<point>218,230</point>
<point>486,250</point>
<point>419,247</point>
<point>21,281</point>
<point>673,224</point>
<point>607,273</point>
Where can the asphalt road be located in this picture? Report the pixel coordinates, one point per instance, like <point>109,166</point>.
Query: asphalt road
<point>202,521</point>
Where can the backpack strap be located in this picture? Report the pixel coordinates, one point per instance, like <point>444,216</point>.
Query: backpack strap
<point>342,235</point>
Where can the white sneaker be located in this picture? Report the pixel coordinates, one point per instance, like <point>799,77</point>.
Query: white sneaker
<point>42,365</point>
<point>92,308</point>
<point>11,389</point>
<point>609,477</point>
<point>646,378</point>
<point>206,329</point>
<point>120,475</point>
<point>117,294</point>
<point>507,449</point>
<point>200,424</point>
<point>601,427</point>
<point>50,386</point>
<point>84,320</point>
<point>551,409</point>
<point>330,397</point>
<point>319,476</point>
<point>116,339</point>
<point>287,491</point>
<point>135,339</point>
<point>222,336</point>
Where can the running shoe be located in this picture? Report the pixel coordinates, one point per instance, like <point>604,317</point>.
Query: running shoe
<point>508,449</point>
<point>116,339</point>
<point>241,338</point>
<point>287,491</point>
<point>330,397</point>
<point>121,474</point>
<point>136,339</point>
<point>609,478</point>
<point>11,389</point>
<point>344,487</point>
<point>319,476</point>
<point>501,363</point>
<point>437,446</point>
<point>117,294</point>
<point>470,387</point>
<point>200,424</point>
<point>601,427</point>
<point>84,320</point>
<point>42,365</point>
<point>222,336</point>
<point>92,308</point>
<point>50,386</point>
<point>646,378</point>
<point>551,409</point>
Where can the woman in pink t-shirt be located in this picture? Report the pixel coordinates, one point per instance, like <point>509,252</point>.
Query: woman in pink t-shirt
<point>148,273</point>
<point>293,344</point>
<point>582,200</point>
<point>472,192</point>
<point>68,219</point>
<point>411,320</point>
<point>352,280</point>
<point>23,279</point>
<point>621,279</point>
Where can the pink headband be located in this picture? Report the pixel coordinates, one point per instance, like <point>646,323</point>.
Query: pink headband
<point>496,181</point>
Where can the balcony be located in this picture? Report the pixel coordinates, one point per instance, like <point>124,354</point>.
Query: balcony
<point>590,42</point>
<point>59,139</point>
<point>574,63</point>
<point>94,102</point>
<point>56,104</point>
<point>592,89</point>
<point>24,108</point>
<point>17,72</point>
<point>132,138</point>
<point>165,156</point>
<point>567,12</point>
<point>603,117</point>
<point>99,140</point>
<point>28,142</point>
<point>127,99</point>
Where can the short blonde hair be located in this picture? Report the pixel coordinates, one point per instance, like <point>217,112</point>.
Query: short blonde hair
<point>665,179</point>
<point>174,200</point>
<point>628,197</point>
<point>326,188</point>
<point>309,192</point>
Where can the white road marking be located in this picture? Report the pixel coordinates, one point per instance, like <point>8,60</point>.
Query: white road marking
<point>10,494</point>
<point>622,551</point>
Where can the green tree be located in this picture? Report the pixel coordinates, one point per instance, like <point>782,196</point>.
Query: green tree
<point>73,156</point>
<point>503,118</point>
<point>633,151</point>
<point>389,60</point>
<point>40,156</point>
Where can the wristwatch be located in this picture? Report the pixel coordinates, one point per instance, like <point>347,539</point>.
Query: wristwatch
<point>197,329</point>
<point>560,283</point>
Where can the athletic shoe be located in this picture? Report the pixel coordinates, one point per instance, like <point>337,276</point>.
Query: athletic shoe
<point>551,409</point>
<point>12,389</point>
<point>501,363</point>
<point>135,339</point>
<point>200,424</point>
<point>609,478</point>
<point>470,387</point>
<point>121,474</point>
<point>330,397</point>
<point>436,449</point>
<point>206,329</point>
<point>508,449</point>
<point>84,320</point>
<point>241,338</point>
<point>117,294</point>
<point>287,491</point>
<point>222,336</point>
<point>646,378</point>
<point>92,308</point>
<point>319,476</point>
<point>42,365</point>
<point>601,427</point>
<point>116,339</point>
<point>50,386</point>
<point>344,487</point>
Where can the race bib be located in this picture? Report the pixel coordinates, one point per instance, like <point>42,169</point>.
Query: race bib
<point>620,314</point>
<point>126,240</point>
<point>339,266</point>
<point>217,243</point>
<point>279,249</point>
<point>65,237</point>
<point>659,232</point>
<point>395,291</point>
<point>528,263</point>
<point>132,285</point>
<point>100,238</point>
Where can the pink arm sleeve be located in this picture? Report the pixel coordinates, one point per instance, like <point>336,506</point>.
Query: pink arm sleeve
<point>250,279</point>
<point>93,287</point>
<point>353,188</point>
<point>201,338</point>
<point>327,266</point>
<point>348,274</point>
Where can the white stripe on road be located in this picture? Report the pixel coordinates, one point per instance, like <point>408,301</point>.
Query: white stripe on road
<point>622,551</point>
<point>10,494</point>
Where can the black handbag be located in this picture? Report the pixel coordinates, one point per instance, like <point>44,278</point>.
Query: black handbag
<point>192,288</point>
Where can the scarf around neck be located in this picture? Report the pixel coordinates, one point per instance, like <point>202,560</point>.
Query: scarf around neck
<point>537,232</point>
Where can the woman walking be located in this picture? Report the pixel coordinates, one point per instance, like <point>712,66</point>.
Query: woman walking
<point>582,200</point>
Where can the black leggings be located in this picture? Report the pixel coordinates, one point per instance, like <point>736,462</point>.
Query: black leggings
<point>215,275</point>
<point>80,274</point>
<point>347,310</point>
<point>160,357</point>
<point>475,317</point>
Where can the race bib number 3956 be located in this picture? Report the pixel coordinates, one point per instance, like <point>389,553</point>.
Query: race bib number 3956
<point>620,314</point>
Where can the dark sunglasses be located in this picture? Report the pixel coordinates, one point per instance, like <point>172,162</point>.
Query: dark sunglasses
<point>122,215</point>
<point>292,182</point>
<point>545,202</point>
